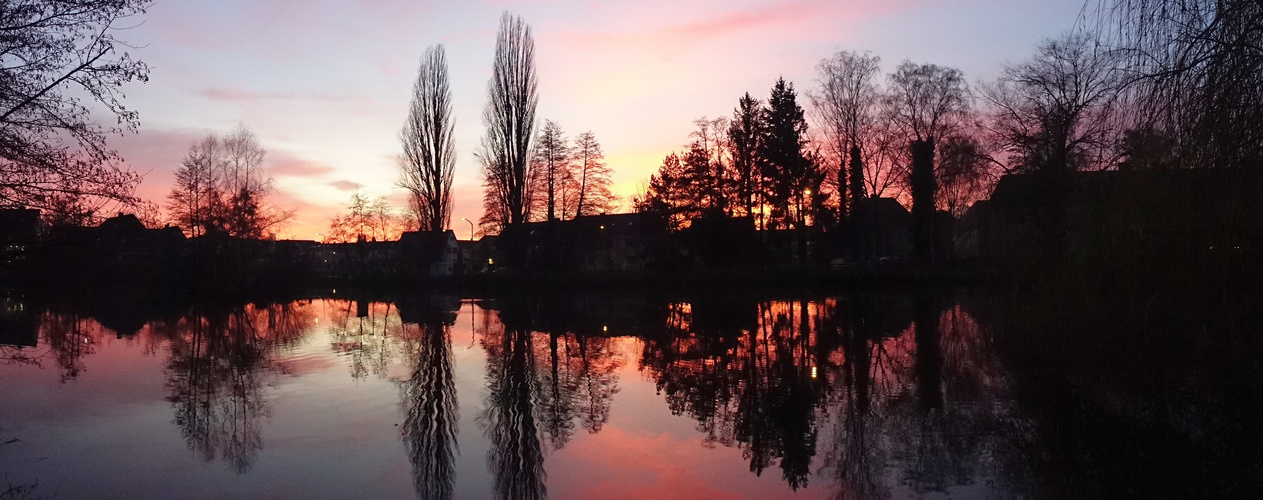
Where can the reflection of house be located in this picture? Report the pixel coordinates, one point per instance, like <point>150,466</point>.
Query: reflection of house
<point>1183,211</point>
<point>18,325</point>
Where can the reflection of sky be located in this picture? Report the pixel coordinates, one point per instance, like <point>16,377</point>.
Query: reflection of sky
<point>325,84</point>
<point>329,435</point>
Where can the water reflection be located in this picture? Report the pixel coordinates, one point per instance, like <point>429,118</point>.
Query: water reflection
<point>429,405</point>
<point>752,382</point>
<point>514,390</point>
<point>219,367</point>
<point>855,396</point>
<point>367,333</point>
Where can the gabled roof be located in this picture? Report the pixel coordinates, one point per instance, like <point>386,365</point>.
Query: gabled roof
<point>884,208</point>
<point>123,223</point>
<point>428,244</point>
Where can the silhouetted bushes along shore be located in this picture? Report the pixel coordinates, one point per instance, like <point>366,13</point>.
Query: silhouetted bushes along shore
<point>1238,276</point>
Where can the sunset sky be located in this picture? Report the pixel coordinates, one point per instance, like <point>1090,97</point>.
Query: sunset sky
<point>325,84</point>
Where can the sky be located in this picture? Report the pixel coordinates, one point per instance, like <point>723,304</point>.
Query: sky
<point>325,84</point>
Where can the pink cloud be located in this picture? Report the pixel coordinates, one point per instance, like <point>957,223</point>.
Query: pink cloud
<point>345,185</point>
<point>238,95</point>
<point>280,164</point>
<point>789,20</point>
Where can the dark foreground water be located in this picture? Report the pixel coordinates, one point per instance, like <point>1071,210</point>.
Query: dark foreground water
<point>860,396</point>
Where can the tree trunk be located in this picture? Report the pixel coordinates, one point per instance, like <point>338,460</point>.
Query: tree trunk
<point>923,188</point>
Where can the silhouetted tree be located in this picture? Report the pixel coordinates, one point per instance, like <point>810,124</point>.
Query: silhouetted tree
<point>669,195</point>
<point>789,173</point>
<point>846,100</point>
<point>554,171</point>
<point>886,160</point>
<point>366,219</point>
<point>221,187</point>
<point>693,185</point>
<point>926,102</point>
<point>429,154</point>
<point>61,60</point>
<point>1054,115</point>
<point>1194,68</point>
<point>247,186</point>
<point>745,139</point>
<point>592,176</point>
<point>1057,112</point>
<point>1145,148</point>
<point>509,117</point>
<point>706,162</point>
<point>195,198</point>
<point>963,174</point>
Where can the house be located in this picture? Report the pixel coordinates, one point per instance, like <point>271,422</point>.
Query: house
<point>431,253</point>
<point>724,242</point>
<point>1180,211</point>
<point>18,224</point>
<point>479,255</point>
<point>19,228</point>
<point>127,241</point>
<point>596,243</point>
<point>881,228</point>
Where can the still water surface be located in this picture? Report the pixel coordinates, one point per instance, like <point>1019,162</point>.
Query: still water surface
<point>436,397</point>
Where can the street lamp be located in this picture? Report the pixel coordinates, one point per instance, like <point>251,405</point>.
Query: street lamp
<point>471,228</point>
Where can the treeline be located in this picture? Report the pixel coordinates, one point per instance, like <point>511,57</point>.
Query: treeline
<point>1153,85</point>
<point>1141,85</point>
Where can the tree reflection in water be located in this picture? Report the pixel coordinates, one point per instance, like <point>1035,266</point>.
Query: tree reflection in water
<point>540,387</point>
<point>366,333</point>
<point>508,417</point>
<point>750,382</point>
<point>218,368</point>
<point>70,337</point>
<point>429,406</point>
<point>865,395</point>
<point>859,371</point>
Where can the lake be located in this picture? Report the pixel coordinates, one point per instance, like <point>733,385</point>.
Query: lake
<point>861,395</point>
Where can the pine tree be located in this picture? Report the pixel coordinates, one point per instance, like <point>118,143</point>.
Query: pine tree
<point>745,136</point>
<point>791,177</point>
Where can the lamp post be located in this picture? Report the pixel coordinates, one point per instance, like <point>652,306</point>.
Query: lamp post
<point>471,228</point>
